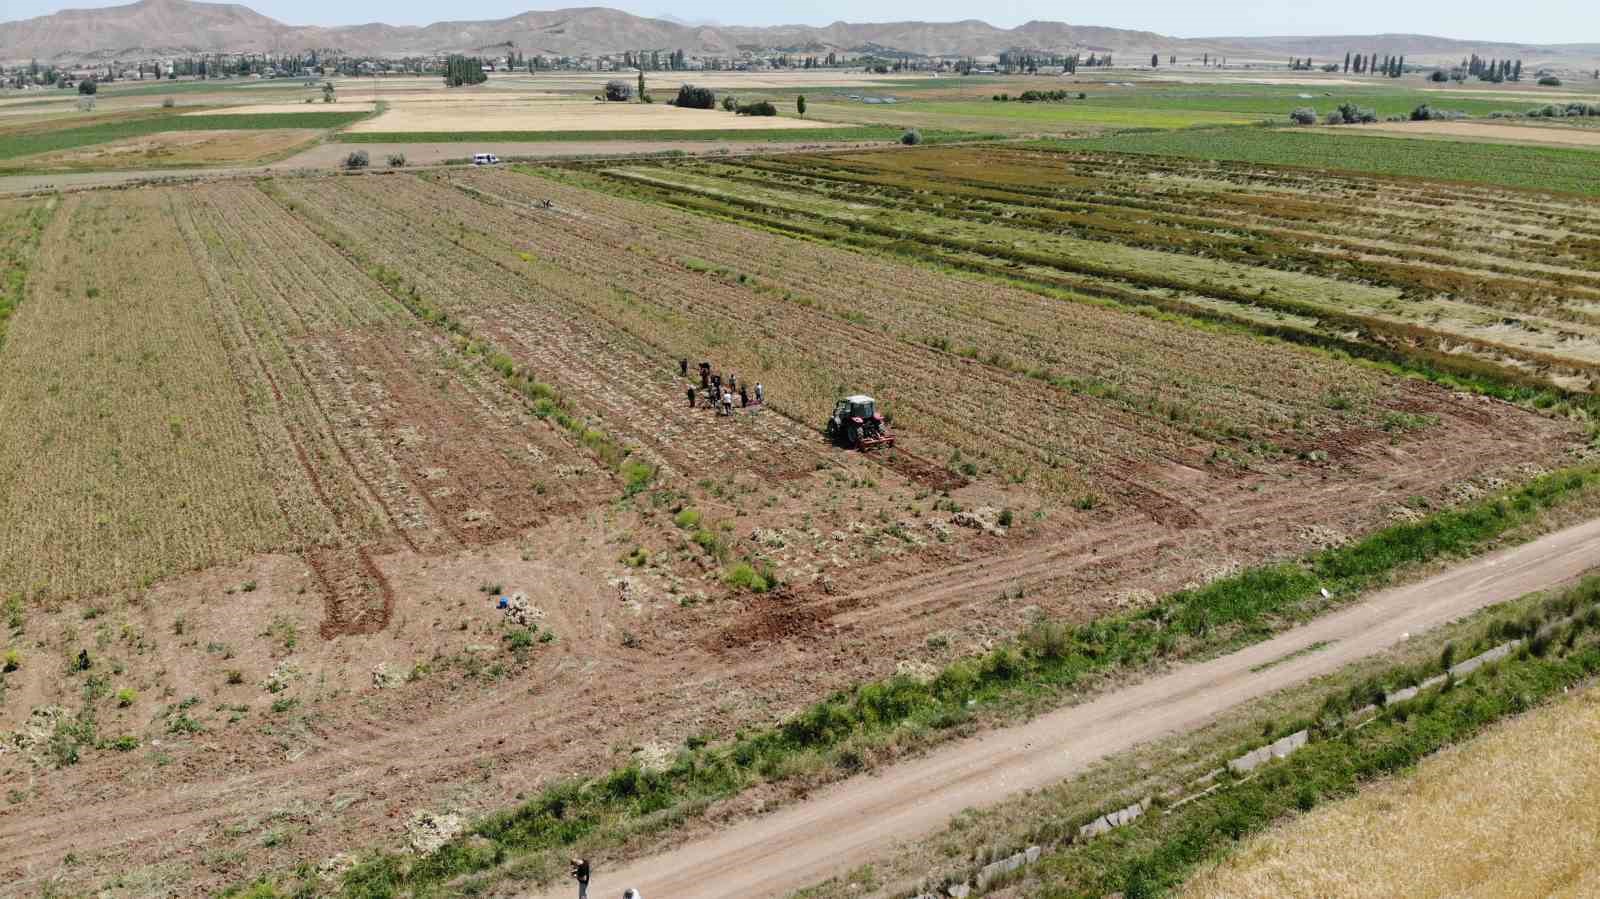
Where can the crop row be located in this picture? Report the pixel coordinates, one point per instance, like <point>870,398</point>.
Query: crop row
<point>1106,250</point>
<point>122,461</point>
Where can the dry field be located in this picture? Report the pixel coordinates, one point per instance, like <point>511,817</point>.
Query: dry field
<point>494,112</point>
<point>268,108</point>
<point>175,148</point>
<point>1492,132</point>
<point>271,446</point>
<point>1511,813</point>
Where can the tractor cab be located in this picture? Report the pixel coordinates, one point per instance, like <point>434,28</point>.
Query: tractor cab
<point>857,425</point>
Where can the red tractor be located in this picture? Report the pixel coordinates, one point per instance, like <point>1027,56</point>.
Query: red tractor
<point>857,425</point>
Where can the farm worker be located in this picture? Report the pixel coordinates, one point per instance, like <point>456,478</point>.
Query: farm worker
<point>705,374</point>
<point>716,383</point>
<point>580,873</point>
<point>683,367</point>
<point>733,381</point>
<point>744,398</point>
<point>690,392</point>
<point>759,395</point>
<point>727,403</point>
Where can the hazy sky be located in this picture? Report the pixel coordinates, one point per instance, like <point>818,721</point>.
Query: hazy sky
<point>1531,21</point>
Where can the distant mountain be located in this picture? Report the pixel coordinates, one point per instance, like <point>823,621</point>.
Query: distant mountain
<point>175,27</point>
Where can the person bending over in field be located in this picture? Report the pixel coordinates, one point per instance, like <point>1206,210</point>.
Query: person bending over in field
<point>580,873</point>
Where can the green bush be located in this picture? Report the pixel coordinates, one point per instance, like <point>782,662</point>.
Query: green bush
<point>636,476</point>
<point>688,518</point>
<point>357,160</point>
<point>744,577</point>
<point>759,108</point>
<point>911,138</point>
<point>691,97</point>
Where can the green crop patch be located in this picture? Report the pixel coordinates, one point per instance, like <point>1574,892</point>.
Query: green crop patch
<point>1334,150</point>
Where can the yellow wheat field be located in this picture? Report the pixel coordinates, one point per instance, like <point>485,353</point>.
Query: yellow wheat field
<point>1510,814</point>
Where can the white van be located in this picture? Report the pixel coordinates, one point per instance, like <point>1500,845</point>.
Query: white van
<point>485,159</point>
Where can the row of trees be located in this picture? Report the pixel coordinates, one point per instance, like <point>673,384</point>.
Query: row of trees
<point>1493,70</point>
<point>462,70</point>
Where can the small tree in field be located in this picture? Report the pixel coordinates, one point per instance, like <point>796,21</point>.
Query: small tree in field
<point>357,160</point>
<point>1155,60</point>
<point>911,138</point>
<point>729,104</point>
<point>1305,115</point>
<point>618,91</point>
<point>88,87</point>
<point>800,105</point>
<point>641,84</point>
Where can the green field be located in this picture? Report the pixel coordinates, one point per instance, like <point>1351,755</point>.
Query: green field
<point>1065,114</point>
<point>1536,168</point>
<point>776,135</point>
<point>969,104</point>
<point>30,143</point>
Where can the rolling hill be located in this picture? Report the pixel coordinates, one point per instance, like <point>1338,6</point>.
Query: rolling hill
<point>175,27</point>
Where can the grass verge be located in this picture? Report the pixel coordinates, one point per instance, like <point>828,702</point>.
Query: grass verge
<point>839,735</point>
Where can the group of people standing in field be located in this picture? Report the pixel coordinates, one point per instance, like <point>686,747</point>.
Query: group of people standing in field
<point>719,394</point>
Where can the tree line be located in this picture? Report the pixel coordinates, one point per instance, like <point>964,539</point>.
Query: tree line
<point>462,70</point>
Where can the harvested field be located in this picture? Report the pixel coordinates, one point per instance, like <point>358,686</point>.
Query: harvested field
<point>270,108</point>
<point>425,390</point>
<point>1507,814</point>
<point>489,113</point>
<point>173,148</point>
<point>1412,276</point>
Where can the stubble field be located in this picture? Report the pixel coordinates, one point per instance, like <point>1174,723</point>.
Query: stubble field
<point>275,446</point>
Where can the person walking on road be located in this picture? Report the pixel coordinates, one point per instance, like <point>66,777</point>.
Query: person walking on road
<point>690,393</point>
<point>580,873</point>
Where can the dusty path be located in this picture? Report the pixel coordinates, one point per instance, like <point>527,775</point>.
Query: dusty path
<point>851,823</point>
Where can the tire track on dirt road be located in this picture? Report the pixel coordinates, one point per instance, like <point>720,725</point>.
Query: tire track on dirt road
<point>851,823</point>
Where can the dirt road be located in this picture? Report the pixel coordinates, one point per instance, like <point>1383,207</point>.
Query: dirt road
<point>851,823</point>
